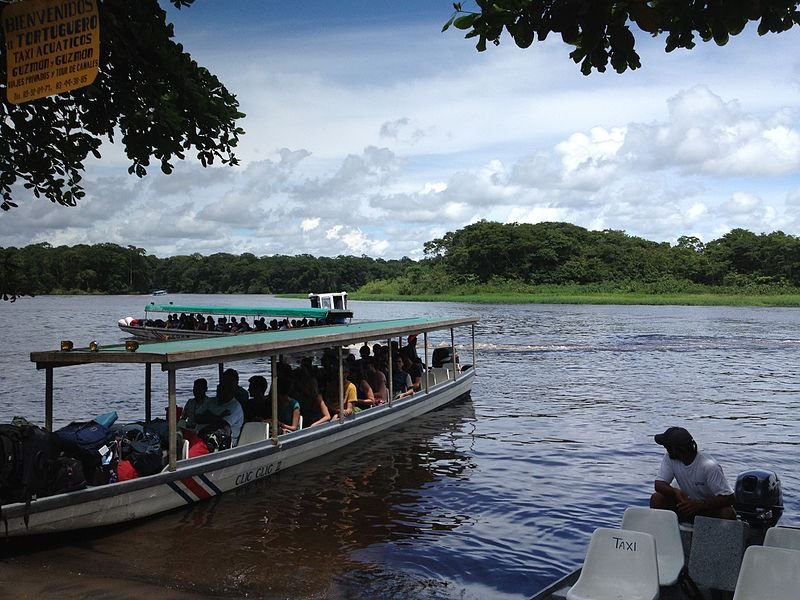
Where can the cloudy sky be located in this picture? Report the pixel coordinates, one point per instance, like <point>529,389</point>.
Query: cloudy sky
<point>371,132</point>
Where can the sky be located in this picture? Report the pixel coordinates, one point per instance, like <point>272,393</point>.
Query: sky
<point>370,132</point>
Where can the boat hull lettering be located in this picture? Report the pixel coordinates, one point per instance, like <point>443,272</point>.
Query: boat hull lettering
<point>258,473</point>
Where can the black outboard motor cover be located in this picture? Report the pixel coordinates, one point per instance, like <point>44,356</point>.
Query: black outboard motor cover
<point>759,497</point>
<point>442,356</point>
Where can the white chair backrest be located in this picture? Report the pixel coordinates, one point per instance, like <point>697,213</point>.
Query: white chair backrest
<point>441,374</point>
<point>783,537</point>
<point>768,572</point>
<point>619,563</point>
<point>663,526</point>
<point>253,431</point>
<point>300,423</point>
<point>431,378</point>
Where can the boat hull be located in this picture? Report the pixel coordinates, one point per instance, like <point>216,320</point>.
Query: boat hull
<point>200,478</point>
<point>164,333</point>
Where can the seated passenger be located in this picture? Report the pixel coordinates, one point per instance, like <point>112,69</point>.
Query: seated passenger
<point>232,376</point>
<point>288,408</point>
<point>259,406</point>
<point>366,398</point>
<point>414,370</point>
<point>377,381</point>
<point>207,415</point>
<point>401,381</point>
<point>312,406</point>
<point>244,325</point>
<point>349,394</point>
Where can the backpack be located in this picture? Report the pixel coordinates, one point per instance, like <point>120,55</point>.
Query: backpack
<point>66,475</point>
<point>84,440</point>
<point>10,456</point>
<point>216,437</point>
<point>144,452</point>
<point>28,456</point>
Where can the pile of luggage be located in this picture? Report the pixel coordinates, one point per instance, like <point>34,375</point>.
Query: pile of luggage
<point>35,463</point>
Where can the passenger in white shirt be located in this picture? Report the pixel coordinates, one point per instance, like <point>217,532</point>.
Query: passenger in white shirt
<point>702,488</point>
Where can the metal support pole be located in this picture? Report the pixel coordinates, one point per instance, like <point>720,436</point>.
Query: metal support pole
<point>172,412</point>
<point>341,387</point>
<point>474,357</point>
<point>273,361</point>
<point>148,392</point>
<point>425,353</point>
<point>48,399</point>
<point>391,379</point>
<point>453,347</point>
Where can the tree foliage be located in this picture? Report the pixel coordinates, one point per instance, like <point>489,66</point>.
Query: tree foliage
<point>602,31</point>
<point>487,255</point>
<point>149,92</point>
<point>112,269</point>
<point>562,253</point>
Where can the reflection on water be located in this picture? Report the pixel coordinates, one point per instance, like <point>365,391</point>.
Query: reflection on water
<point>490,498</point>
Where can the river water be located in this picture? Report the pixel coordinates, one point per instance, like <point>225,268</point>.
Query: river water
<point>493,497</point>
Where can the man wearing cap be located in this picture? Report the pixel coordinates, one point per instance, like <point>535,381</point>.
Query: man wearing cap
<point>702,487</point>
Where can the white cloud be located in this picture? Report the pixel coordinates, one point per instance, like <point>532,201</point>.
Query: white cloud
<point>364,137</point>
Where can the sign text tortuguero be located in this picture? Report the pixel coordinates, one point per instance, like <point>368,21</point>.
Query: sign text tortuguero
<point>52,46</point>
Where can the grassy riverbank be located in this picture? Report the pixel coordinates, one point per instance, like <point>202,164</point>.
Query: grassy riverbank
<point>596,298</point>
<point>663,293</point>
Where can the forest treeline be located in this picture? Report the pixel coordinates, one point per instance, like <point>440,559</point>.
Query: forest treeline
<point>503,257</point>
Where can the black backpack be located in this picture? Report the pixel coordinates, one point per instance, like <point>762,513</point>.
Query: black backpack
<point>10,457</point>
<point>28,456</point>
<point>144,452</point>
<point>66,475</point>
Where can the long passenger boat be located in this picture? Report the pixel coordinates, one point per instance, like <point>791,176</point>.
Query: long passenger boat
<point>183,321</point>
<point>185,481</point>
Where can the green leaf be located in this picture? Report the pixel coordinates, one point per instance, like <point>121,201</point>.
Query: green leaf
<point>465,22</point>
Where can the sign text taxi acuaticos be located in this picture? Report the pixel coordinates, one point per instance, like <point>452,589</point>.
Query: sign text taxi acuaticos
<point>52,46</point>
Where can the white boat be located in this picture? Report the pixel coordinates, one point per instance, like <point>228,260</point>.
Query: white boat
<point>652,556</point>
<point>183,320</point>
<point>190,480</point>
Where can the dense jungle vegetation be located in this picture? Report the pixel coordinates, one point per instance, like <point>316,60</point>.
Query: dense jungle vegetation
<point>482,258</point>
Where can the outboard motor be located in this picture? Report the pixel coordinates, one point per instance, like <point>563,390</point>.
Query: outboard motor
<point>759,498</point>
<point>442,356</point>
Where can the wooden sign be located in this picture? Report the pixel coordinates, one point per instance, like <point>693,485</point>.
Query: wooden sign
<point>51,46</point>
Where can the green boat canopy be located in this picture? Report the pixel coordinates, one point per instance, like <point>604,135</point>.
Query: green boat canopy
<point>264,311</point>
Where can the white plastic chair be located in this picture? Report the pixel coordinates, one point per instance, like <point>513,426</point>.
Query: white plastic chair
<point>783,537</point>
<point>619,563</point>
<point>768,572</point>
<point>253,431</point>
<point>663,526</point>
<point>184,450</point>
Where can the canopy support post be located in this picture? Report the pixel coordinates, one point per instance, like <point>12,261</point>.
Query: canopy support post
<point>391,378</point>
<point>148,392</point>
<point>425,354</point>
<point>48,398</point>
<point>341,388</point>
<point>273,363</point>
<point>453,347</point>
<point>172,414</point>
<point>474,359</point>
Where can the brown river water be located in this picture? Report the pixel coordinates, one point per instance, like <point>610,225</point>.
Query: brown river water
<point>492,497</point>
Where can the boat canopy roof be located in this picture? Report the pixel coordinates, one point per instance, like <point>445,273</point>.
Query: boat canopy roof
<point>180,354</point>
<point>263,311</point>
